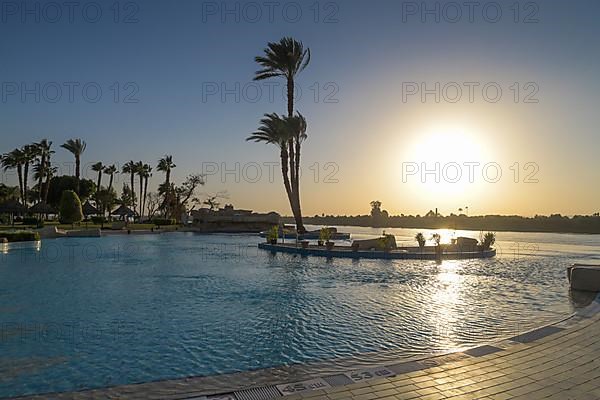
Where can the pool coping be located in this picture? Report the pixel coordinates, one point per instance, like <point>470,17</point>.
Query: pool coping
<point>238,386</point>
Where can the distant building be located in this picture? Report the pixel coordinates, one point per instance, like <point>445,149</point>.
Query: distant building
<point>228,219</point>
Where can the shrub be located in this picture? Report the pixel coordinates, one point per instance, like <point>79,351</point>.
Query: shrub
<point>99,220</point>
<point>488,240</point>
<point>164,221</point>
<point>273,233</point>
<point>33,221</point>
<point>386,241</point>
<point>70,208</point>
<point>20,236</point>
<point>420,238</point>
<point>325,234</point>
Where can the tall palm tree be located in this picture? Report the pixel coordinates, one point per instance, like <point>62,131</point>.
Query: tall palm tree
<point>76,147</point>
<point>277,130</point>
<point>139,170</point>
<point>165,165</point>
<point>15,160</point>
<point>44,153</point>
<point>129,168</point>
<point>287,58</point>
<point>111,170</point>
<point>30,154</point>
<point>40,172</point>
<point>50,172</point>
<point>146,175</point>
<point>99,168</point>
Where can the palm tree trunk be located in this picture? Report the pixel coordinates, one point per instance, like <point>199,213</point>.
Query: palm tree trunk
<point>25,179</point>
<point>145,193</point>
<point>132,189</point>
<point>286,183</point>
<point>20,175</point>
<point>47,187</point>
<point>141,195</point>
<point>290,96</point>
<point>41,172</point>
<point>294,161</point>
<point>77,171</point>
<point>299,224</point>
<point>99,181</point>
<point>110,182</point>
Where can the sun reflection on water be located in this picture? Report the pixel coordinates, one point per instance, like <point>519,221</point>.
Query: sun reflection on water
<point>448,299</point>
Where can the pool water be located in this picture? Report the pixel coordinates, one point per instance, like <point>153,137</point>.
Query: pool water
<point>87,313</point>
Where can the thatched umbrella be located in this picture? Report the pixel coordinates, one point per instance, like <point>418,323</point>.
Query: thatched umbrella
<point>12,207</point>
<point>123,211</point>
<point>89,209</point>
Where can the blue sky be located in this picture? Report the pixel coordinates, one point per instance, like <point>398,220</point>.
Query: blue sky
<point>362,53</point>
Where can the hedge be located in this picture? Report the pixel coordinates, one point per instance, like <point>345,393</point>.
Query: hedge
<point>164,222</point>
<point>20,236</point>
<point>99,220</point>
<point>33,221</point>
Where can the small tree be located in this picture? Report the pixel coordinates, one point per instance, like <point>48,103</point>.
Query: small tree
<point>437,238</point>
<point>70,208</point>
<point>488,240</point>
<point>420,240</point>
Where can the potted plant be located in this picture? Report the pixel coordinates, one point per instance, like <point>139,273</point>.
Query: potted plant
<point>488,240</point>
<point>386,242</point>
<point>273,235</point>
<point>437,238</point>
<point>420,238</point>
<point>324,236</point>
<point>304,244</point>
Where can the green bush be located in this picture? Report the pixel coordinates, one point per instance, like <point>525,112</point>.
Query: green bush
<point>70,208</point>
<point>164,221</point>
<point>99,220</point>
<point>20,236</point>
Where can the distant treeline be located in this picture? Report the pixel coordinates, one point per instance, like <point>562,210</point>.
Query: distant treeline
<point>554,223</point>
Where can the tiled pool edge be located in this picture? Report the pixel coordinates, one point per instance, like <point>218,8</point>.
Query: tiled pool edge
<point>180,389</point>
<point>386,371</point>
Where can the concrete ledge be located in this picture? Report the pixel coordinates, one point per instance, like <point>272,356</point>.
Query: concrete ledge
<point>584,277</point>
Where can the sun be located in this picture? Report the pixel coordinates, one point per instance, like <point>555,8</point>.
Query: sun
<point>445,146</point>
<point>444,161</point>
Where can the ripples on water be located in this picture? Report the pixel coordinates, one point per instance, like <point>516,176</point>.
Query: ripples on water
<point>83,313</point>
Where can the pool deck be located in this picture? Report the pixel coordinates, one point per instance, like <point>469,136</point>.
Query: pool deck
<point>557,361</point>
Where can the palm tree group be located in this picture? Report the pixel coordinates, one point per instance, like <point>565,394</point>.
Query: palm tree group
<point>286,58</point>
<point>144,173</point>
<point>35,157</point>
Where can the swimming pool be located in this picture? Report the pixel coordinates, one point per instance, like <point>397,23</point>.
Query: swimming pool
<point>86,313</point>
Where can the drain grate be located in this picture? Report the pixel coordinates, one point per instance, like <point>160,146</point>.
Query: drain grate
<point>263,393</point>
<point>536,334</point>
<point>482,351</point>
